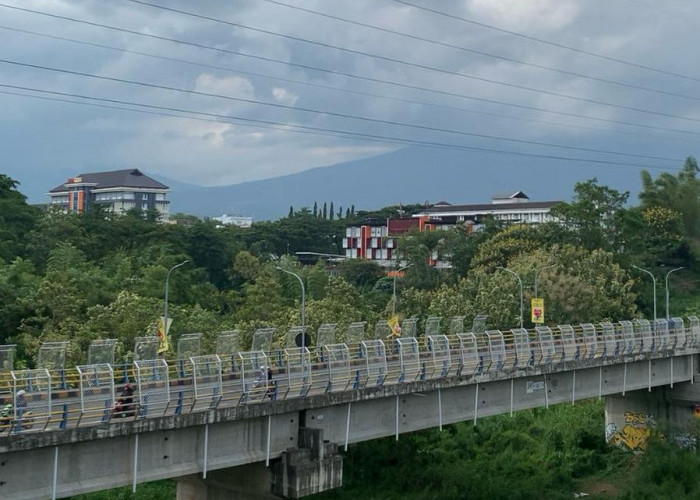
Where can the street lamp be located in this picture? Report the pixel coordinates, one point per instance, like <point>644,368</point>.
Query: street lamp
<point>521,291</point>
<point>668,314</point>
<point>537,272</point>
<point>303,304</point>
<point>167,287</point>
<point>653,278</point>
<point>393,296</point>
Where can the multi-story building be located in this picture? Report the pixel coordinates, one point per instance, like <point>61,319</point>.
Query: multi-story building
<point>118,190</point>
<point>376,240</point>
<point>512,208</point>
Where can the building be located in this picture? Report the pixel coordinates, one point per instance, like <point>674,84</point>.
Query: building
<point>376,240</point>
<point>234,220</point>
<point>118,190</point>
<point>515,208</point>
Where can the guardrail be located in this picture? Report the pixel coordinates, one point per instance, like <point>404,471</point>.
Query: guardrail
<point>57,398</point>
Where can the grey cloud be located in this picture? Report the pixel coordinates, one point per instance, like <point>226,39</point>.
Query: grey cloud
<point>53,138</point>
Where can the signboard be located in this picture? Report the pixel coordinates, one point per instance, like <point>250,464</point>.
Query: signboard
<point>537,311</point>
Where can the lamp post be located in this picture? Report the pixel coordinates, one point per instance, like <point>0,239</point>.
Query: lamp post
<point>303,304</point>
<point>537,272</point>
<point>653,279</point>
<point>167,288</point>
<point>521,291</point>
<point>668,313</point>
<point>393,295</point>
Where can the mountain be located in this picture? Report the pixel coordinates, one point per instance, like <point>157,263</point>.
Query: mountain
<point>410,175</point>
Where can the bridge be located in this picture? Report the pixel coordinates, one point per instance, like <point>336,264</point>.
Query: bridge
<point>265,422</point>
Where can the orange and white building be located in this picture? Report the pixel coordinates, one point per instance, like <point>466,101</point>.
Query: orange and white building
<point>118,190</point>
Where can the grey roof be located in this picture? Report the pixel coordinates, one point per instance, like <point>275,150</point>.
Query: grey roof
<point>131,177</point>
<point>491,207</point>
<point>509,195</point>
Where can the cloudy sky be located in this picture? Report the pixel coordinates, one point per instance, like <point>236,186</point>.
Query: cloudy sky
<point>226,92</point>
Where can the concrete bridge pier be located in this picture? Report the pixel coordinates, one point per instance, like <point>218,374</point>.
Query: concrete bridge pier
<point>669,410</point>
<point>314,467</point>
<point>246,482</point>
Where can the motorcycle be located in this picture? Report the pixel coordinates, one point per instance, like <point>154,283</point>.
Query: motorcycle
<point>7,418</point>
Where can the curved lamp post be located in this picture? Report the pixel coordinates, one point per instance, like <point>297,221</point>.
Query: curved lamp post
<point>167,287</point>
<point>668,313</point>
<point>393,295</point>
<point>653,279</point>
<point>537,272</point>
<point>521,290</point>
<point>303,303</point>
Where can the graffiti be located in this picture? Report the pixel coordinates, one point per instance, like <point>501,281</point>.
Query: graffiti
<point>634,438</point>
<point>635,433</point>
<point>685,440</point>
<point>640,419</point>
<point>610,431</point>
<point>531,387</point>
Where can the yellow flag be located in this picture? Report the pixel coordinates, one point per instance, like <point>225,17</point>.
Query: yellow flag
<point>537,311</point>
<point>163,330</point>
<point>395,326</point>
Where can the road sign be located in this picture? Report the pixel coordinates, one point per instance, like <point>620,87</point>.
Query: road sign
<point>537,311</point>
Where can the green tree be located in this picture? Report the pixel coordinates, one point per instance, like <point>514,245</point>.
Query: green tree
<point>593,217</point>
<point>680,193</point>
<point>16,219</point>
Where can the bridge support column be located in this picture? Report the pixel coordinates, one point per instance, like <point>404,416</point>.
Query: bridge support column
<point>313,468</point>
<point>246,482</point>
<point>631,419</point>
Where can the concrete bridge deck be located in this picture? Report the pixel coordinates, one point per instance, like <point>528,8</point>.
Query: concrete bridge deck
<point>234,430</point>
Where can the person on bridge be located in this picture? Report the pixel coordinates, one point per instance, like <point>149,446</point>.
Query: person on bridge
<point>21,402</point>
<point>125,402</point>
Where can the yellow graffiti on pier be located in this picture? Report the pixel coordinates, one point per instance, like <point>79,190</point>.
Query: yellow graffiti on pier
<point>635,433</point>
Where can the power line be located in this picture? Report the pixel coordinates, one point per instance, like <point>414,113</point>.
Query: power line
<point>414,64</point>
<point>313,130</point>
<point>549,42</point>
<point>349,75</point>
<point>322,86</point>
<point>482,53</point>
<point>328,113</point>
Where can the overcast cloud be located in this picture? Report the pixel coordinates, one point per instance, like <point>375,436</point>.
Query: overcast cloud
<point>45,140</point>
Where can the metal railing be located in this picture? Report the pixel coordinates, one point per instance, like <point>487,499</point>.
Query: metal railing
<point>55,397</point>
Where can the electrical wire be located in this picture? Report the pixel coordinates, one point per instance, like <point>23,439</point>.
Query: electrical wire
<point>484,54</point>
<point>549,42</point>
<point>416,65</point>
<point>307,129</point>
<point>328,113</point>
<point>350,75</point>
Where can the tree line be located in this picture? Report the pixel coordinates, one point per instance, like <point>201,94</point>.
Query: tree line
<point>100,275</point>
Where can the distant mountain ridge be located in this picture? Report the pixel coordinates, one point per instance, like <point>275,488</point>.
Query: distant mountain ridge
<point>411,175</point>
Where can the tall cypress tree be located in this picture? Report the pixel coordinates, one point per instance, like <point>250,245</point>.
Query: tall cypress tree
<point>325,210</point>
<point>315,209</point>
<point>291,211</point>
<point>332,212</point>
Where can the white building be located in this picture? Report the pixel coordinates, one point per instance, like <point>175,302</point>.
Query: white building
<point>512,208</point>
<point>235,220</point>
<point>118,190</point>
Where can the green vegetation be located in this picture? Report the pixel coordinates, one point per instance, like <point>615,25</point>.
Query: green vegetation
<point>96,275</point>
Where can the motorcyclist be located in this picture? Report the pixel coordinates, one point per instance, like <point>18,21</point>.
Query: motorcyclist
<point>5,413</point>
<point>125,403</point>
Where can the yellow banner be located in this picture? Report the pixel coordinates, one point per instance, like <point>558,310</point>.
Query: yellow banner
<point>537,311</point>
<point>163,334</point>
<point>395,326</point>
